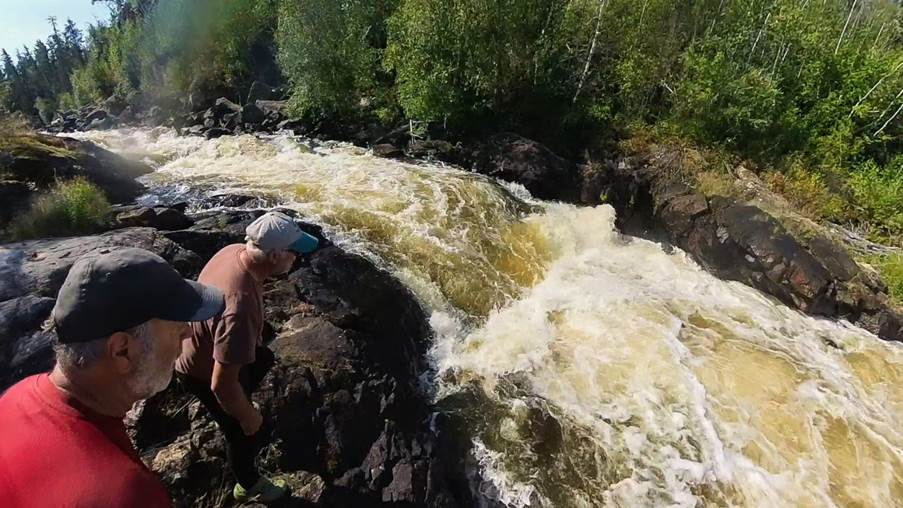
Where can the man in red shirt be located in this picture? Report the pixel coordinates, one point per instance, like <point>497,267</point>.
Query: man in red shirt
<point>120,318</point>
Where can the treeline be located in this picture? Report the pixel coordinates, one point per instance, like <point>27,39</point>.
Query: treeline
<point>38,78</point>
<point>811,84</point>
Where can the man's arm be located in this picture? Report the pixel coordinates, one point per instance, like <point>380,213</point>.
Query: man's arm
<point>231,396</point>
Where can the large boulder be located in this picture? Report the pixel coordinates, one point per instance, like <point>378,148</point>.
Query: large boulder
<point>222,107</point>
<point>739,241</point>
<point>517,159</point>
<point>271,108</point>
<point>32,272</point>
<point>251,115</point>
<point>41,160</point>
<point>204,93</point>
<point>160,217</point>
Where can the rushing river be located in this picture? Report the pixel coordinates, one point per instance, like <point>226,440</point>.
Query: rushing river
<point>610,372</point>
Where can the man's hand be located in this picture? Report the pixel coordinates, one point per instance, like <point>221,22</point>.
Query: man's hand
<point>251,424</point>
<point>232,398</point>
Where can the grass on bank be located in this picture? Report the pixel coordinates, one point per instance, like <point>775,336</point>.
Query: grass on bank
<point>891,269</point>
<point>19,140</point>
<point>70,207</point>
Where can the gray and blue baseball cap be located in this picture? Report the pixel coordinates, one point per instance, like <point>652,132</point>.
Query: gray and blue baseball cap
<point>276,230</point>
<point>113,290</point>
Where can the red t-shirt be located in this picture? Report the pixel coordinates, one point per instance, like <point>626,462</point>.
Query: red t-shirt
<point>56,452</point>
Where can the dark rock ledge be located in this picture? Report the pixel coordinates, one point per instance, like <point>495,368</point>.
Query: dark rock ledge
<point>347,423</point>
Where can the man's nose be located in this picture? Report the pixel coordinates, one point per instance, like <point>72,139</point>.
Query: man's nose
<point>185,331</point>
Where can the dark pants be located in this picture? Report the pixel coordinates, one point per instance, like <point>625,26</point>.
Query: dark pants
<point>241,449</point>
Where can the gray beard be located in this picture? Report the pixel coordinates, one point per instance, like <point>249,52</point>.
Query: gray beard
<point>150,377</point>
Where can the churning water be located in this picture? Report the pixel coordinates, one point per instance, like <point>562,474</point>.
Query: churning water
<point>606,370</point>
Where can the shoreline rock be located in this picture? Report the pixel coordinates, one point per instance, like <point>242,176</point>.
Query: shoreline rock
<point>348,424</point>
<point>738,241</point>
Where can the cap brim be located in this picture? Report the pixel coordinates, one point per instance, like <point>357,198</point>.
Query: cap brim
<point>304,244</point>
<point>198,302</point>
<point>212,302</point>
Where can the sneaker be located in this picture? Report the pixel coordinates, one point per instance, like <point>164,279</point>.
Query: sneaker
<point>265,491</point>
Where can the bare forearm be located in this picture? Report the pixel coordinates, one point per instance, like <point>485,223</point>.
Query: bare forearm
<point>233,400</point>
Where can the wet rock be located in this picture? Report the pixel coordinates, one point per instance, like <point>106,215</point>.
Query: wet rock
<point>435,149</point>
<point>271,108</point>
<point>398,135</point>
<point>213,231</point>
<point>738,241</point>
<point>217,132</point>
<point>229,201</point>
<point>517,159</point>
<point>14,195</point>
<point>114,105</point>
<point>387,150</point>
<point>163,218</point>
<point>890,324</point>
<point>203,93</point>
<point>97,114</point>
<point>153,116</point>
<point>135,216</point>
<point>24,347</point>
<point>38,267</point>
<point>252,115</point>
<point>194,130</point>
<point>262,91</point>
<point>101,124</point>
<point>222,107</point>
<point>296,125</point>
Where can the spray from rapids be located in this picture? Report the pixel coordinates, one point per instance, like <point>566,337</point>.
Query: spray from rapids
<point>595,369</point>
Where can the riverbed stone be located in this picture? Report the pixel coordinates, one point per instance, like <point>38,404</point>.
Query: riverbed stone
<point>518,159</point>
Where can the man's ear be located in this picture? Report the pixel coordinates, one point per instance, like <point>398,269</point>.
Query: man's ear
<point>118,352</point>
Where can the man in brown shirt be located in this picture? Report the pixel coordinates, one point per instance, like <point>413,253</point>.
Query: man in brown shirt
<point>217,363</point>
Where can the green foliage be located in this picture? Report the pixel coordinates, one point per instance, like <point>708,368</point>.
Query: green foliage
<point>890,267</point>
<point>66,102</point>
<point>6,90</point>
<point>46,108</point>
<point>330,52</point>
<point>187,43</point>
<point>878,196</point>
<point>69,208</point>
<point>808,191</point>
<point>459,61</point>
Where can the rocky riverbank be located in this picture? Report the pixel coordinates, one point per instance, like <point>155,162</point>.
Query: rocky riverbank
<point>32,162</point>
<point>348,422</point>
<point>733,238</point>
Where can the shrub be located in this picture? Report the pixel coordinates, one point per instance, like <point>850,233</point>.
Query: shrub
<point>808,191</point>
<point>458,61</point>
<point>891,269</point>
<point>878,196</point>
<point>71,207</point>
<point>330,52</point>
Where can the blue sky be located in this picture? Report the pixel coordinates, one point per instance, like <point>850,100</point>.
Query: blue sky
<point>25,21</point>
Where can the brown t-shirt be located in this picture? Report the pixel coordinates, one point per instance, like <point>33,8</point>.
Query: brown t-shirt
<point>232,337</point>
